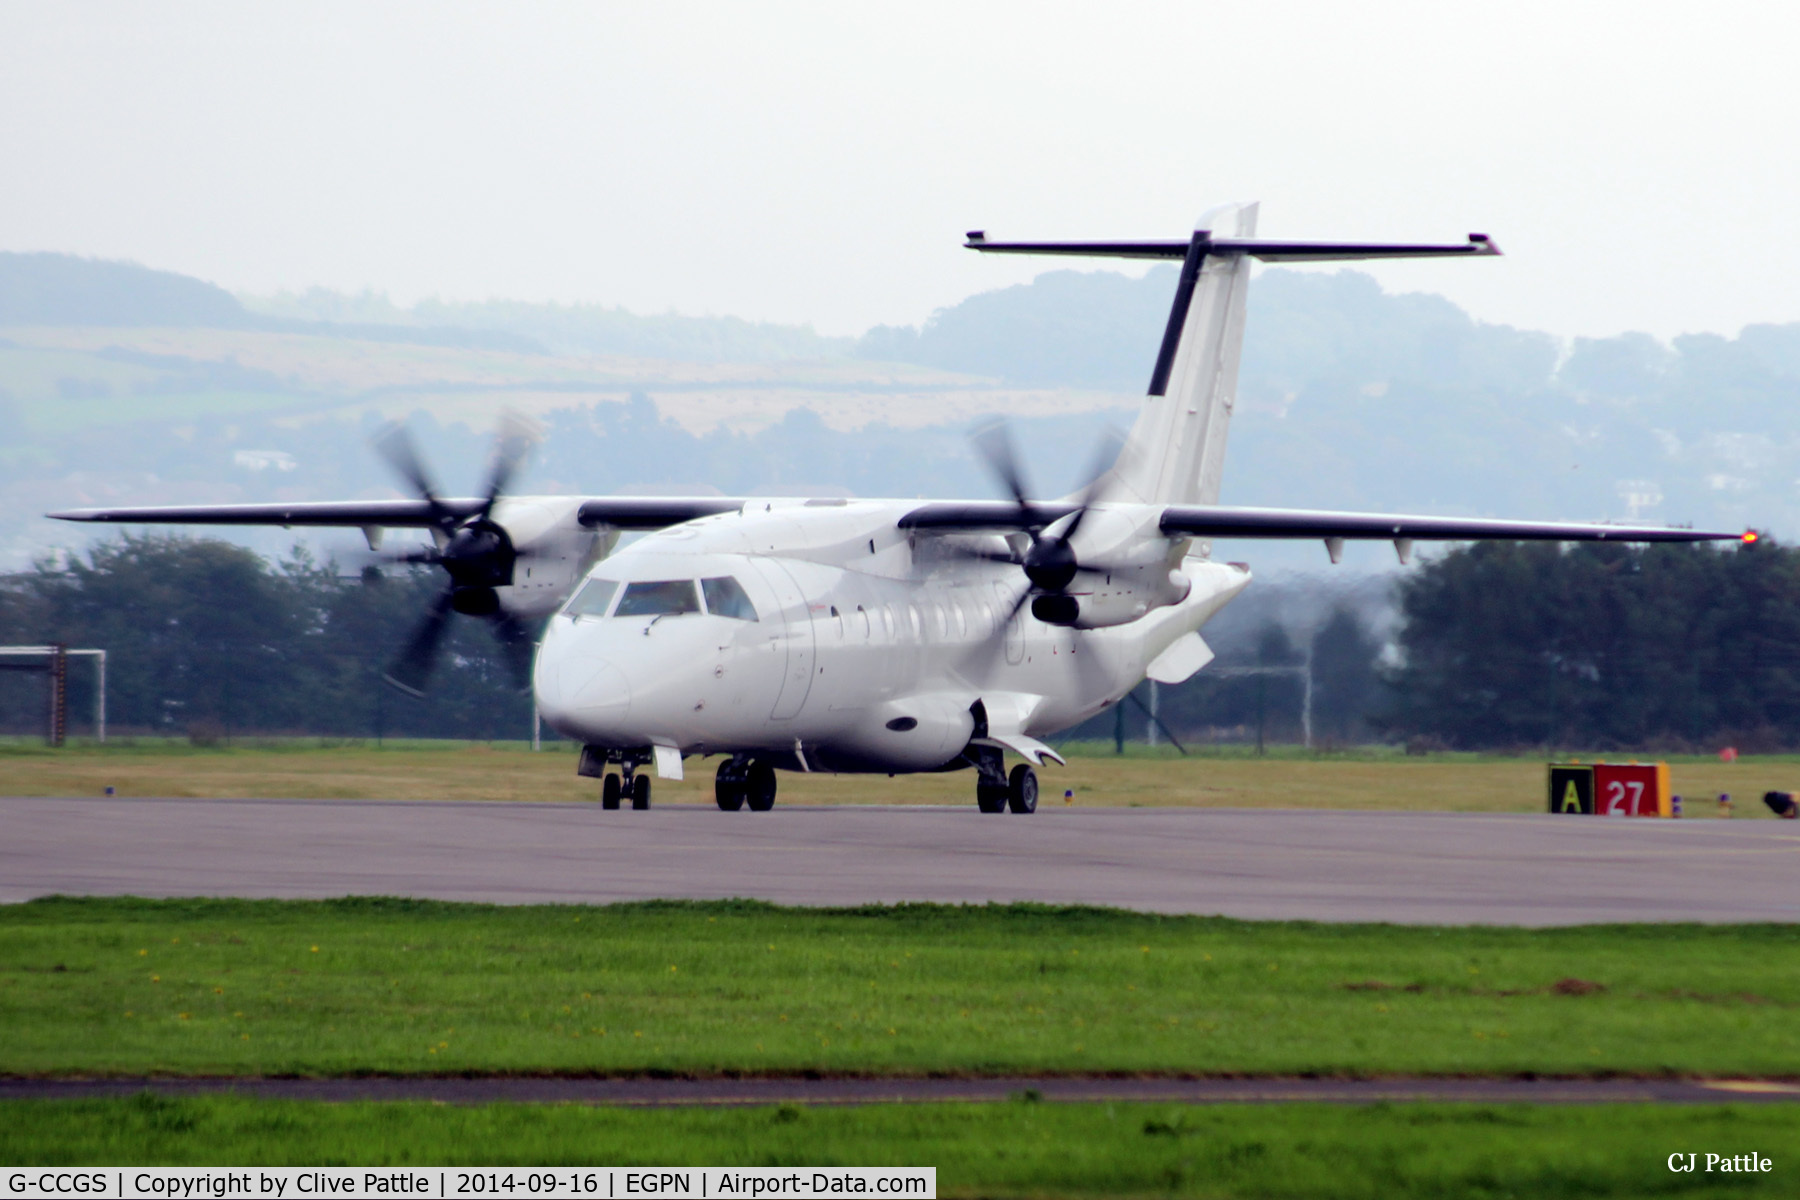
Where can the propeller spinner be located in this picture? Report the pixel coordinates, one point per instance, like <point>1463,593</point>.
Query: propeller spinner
<point>1049,562</point>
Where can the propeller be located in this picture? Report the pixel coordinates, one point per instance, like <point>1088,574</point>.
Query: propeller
<point>473,550</point>
<point>1049,560</point>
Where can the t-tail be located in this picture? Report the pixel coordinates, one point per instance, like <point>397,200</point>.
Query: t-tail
<point>1175,453</point>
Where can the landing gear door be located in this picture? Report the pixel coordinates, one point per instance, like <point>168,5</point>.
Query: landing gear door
<point>795,622</point>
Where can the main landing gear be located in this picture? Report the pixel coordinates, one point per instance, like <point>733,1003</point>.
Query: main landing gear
<point>744,781</point>
<point>996,791</point>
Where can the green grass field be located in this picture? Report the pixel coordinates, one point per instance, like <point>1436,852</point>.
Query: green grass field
<point>1219,777</point>
<point>1014,1149</point>
<point>226,987</point>
<point>122,986</point>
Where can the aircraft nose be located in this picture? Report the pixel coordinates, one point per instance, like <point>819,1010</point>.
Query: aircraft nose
<point>582,689</point>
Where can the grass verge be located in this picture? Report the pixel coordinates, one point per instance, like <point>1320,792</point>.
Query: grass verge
<point>306,768</point>
<point>1019,1148</point>
<point>234,987</point>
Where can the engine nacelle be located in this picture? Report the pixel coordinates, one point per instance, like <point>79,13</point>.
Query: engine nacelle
<point>555,552</point>
<point>1118,599</point>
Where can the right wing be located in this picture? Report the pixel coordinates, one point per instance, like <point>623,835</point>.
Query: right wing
<point>616,512</point>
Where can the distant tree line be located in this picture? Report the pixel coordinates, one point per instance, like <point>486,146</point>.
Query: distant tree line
<point>210,640</point>
<point>1497,645</point>
<point>1508,645</point>
<point>1602,646</point>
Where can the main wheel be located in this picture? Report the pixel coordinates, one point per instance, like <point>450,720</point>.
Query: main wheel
<point>1021,789</point>
<point>728,786</point>
<point>609,791</point>
<point>990,797</point>
<point>759,787</point>
<point>640,792</point>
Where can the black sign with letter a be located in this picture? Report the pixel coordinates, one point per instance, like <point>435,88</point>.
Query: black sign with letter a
<point>1572,790</point>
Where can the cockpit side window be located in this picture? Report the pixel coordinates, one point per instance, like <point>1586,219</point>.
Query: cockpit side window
<point>592,599</point>
<point>660,598</point>
<point>725,598</point>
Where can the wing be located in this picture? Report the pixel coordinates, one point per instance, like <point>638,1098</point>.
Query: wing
<point>619,512</point>
<point>392,514</point>
<point>950,516</point>
<point>1217,521</point>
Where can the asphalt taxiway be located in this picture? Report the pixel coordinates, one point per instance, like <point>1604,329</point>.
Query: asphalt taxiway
<point>1411,868</point>
<point>721,1093</point>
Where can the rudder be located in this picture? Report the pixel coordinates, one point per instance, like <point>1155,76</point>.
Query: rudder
<point>1175,453</point>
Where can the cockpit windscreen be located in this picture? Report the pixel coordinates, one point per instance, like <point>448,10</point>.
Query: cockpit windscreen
<point>659,598</point>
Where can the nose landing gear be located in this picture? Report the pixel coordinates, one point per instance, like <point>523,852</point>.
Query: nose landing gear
<point>614,789</point>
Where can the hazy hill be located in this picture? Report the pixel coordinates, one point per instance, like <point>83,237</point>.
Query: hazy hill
<point>1352,397</point>
<point>157,388</point>
<point>65,290</point>
<point>60,289</point>
<point>569,328</point>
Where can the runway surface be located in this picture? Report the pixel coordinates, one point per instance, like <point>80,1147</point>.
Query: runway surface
<point>1412,868</point>
<point>670,1093</point>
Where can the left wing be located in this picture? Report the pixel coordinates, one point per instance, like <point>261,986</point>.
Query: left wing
<point>1223,521</point>
<point>1219,521</point>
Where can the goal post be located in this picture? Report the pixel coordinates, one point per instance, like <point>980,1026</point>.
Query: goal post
<point>55,665</point>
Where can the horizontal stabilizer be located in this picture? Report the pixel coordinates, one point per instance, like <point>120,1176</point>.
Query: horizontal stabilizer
<point>1264,251</point>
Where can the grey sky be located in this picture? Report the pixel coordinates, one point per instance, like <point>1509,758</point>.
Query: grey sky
<point>803,162</point>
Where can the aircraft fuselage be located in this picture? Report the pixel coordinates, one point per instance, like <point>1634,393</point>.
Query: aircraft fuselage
<point>862,648</point>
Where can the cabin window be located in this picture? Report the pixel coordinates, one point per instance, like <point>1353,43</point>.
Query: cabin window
<point>725,597</point>
<point>659,598</point>
<point>592,600</point>
<point>862,621</point>
<point>887,620</point>
<point>962,620</point>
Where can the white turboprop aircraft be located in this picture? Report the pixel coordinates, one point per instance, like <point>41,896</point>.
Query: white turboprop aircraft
<point>883,635</point>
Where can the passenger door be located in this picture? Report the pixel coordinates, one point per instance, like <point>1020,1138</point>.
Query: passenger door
<point>797,635</point>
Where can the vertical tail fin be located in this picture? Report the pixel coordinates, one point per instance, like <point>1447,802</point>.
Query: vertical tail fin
<point>1175,453</point>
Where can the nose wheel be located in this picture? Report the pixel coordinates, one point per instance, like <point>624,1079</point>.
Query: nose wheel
<point>629,784</point>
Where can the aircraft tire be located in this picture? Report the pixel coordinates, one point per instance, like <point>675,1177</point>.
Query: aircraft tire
<point>729,787</point>
<point>759,787</point>
<point>991,797</point>
<point>1022,789</point>
<point>609,791</point>
<point>640,792</point>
